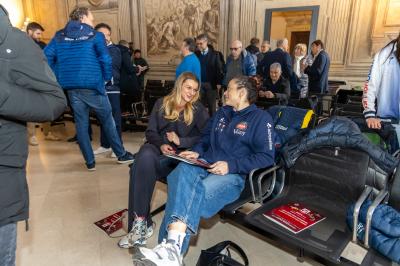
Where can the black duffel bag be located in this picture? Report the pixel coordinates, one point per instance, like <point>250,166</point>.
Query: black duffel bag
<point>213,256</point>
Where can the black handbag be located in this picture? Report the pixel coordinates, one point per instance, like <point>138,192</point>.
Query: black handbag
<point>213,256</point>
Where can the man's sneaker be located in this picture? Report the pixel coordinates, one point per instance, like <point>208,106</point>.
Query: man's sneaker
<point>52,137</point>
<point>73,139</point>
<point>126,158</point>
<point>138,235</point>
<point>33,141</point>
<point>101,150</point>
<point>91,167</point>
<point>164,254</point>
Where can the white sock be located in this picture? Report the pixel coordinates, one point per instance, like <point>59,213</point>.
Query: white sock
<point>178,237</point>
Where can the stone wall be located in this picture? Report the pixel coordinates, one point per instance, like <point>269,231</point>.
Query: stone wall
<point>353,30</point>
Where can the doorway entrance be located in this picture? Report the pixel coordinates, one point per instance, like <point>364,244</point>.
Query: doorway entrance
<point>298,37</point>
<point>297,24</point>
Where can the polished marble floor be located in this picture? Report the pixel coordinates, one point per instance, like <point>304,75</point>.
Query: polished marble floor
<point>65,200</point>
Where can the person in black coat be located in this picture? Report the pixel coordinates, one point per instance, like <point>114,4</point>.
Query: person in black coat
<point>138,60</point>
<point>176,123</point>
<point>129,85</point>
<point>318,71</point>
<point>275,86</point>
<point>35,31</point>
<point>281,56</point>
<point>212,71</point>
<point>112,89</point>
<point>29,93</point>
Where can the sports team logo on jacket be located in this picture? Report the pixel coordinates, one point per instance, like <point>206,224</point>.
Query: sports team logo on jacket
<point>221,125</point>
<point>240,129</point>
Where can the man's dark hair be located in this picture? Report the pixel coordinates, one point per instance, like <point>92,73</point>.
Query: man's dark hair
<point>190,43</point>
<point>318,43</point>
<point>254,41</point>
<point>203,36</point>
<point>102,25</point>
<point>124,43</point>
<point>137,51</point>
<point>78,13</point>
<point>249,84</point>
<point>33,26</point>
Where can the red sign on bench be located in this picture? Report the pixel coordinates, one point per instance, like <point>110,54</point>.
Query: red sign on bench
<point>294,217</point>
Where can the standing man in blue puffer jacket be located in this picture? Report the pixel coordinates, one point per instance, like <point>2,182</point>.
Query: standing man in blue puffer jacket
<point>80,59</point>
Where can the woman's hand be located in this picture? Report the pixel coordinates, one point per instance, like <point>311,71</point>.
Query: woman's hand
<point>167,149</point>
<point>261,93</point>
<point>189,155</point>
<point>219,168</point>
<point>173,137</point>
<point>374,123</point>
<point>269,94</point>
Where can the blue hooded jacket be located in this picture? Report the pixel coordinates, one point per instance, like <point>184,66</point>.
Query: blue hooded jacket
<point>243,138</point>
<point>385,229</point>
<point>79,57</point>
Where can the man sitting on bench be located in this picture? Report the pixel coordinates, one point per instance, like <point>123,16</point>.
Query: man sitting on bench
<point>238,138</point>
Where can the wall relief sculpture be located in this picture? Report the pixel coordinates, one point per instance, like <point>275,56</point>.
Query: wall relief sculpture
<point>170,21</point>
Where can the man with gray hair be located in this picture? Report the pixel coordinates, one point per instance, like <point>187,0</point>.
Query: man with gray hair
<point>281,56</point>
<point>275,86</point>
<point>265,48</point>
<point>238,63</point>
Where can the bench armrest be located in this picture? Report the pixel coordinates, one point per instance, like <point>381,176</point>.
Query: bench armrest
<point>381,197</point>
<point>261,197</point>
<point>365,194</point>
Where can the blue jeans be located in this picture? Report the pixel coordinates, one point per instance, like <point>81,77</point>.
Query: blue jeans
<point>194,193</point>
<point>114,99</point>
<point>81,101</point>
<point>8,244</point>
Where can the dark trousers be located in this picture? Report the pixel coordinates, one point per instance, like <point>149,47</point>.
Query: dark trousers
<point>114,99</point>
<point>148,167</point>
<point>209,97</point>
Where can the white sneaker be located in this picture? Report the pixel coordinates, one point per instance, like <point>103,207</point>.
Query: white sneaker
<point>138,235</point>
<point>101,150</point>
<point>164,254</point>
<point>33,141</point>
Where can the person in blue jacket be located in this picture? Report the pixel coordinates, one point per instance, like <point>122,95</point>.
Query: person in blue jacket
<point>238,63</point>
<point>80,59</point>
<point>237,139</point>
<point>190,62</point>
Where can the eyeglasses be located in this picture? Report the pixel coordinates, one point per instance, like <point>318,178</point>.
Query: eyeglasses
<point>235,48</point>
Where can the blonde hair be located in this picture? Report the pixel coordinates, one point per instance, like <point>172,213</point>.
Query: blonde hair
<point>172,100</point>
<point>302,47</point>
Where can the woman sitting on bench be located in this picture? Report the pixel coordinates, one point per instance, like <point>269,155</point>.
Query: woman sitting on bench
<point>175,124</point>
<point>238,139</point>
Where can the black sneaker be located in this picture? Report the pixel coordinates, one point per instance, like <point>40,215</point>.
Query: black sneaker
<point>73,139</point>
<point>126,158</point>
<point>91,167</point>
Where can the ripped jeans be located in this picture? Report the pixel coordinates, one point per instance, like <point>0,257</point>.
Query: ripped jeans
<point>194,193</point>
